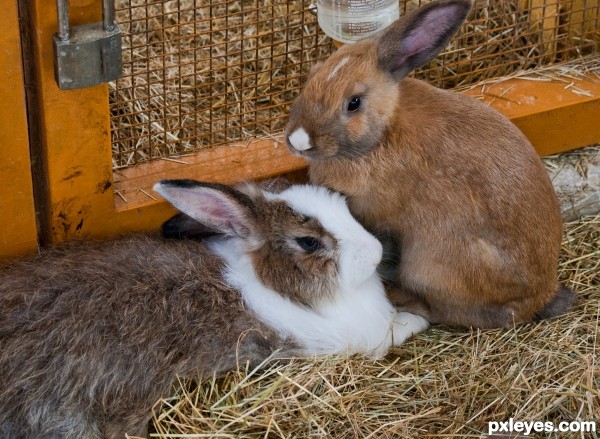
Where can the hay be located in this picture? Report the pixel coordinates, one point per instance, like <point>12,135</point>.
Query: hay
<point>446,382</point>
<point>201,73</point>
<point>576,179</point>
<point>574,74</point>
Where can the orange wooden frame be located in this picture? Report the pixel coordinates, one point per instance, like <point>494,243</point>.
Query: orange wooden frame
<point>18,234</point>
<point>554,116</point>
<point>83,198</point>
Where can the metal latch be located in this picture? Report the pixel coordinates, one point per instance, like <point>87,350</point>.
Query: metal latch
<point>89,54</point>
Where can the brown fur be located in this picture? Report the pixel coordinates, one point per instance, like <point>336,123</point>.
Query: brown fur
<point>280,256</point>
<point>462,191</point>
<point>93,334</point>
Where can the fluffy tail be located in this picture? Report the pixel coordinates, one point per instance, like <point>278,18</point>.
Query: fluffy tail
<point>563,300</point>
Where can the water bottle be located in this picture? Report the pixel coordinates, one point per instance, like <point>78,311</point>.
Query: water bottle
<point>348,21</point>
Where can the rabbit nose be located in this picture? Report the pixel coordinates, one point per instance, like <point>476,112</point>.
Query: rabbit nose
<point>299,139</point>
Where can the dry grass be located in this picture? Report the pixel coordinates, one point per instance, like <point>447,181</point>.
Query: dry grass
<point>446,382</point>
<point>580,159</point>
<point>575,75</point>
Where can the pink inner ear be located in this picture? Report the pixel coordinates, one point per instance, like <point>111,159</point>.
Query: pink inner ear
<point>210,207</point>
<point>223,212</point>
<point>216,209</point>
<point>427,34</point>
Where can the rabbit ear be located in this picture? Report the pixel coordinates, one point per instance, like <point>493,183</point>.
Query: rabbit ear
<point>419,36</point>
<point>218,207</point>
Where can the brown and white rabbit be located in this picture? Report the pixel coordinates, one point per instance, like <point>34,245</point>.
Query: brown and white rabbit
<point>459,188</point>
<point>93,334</point>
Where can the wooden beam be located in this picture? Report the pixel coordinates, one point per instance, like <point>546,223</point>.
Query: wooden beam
<point>258,159</point>
<point>18,234</point>
<point>74,176</point>
<point>555,116</point>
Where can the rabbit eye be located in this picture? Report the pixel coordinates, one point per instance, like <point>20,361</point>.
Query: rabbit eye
<point>353,104</point>
<point>308,243</point>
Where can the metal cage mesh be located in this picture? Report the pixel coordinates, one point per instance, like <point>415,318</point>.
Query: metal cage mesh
<point>201,73</point>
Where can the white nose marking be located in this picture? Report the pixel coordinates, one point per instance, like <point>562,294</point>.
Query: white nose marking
<point>299,139</point>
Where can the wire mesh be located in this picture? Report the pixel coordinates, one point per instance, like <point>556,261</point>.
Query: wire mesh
<point>201,73</point>
<point>501,37</point>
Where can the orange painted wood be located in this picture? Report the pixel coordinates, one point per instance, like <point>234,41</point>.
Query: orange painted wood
<point>554,116</point>
<point>18,234</point>
<point>227,164</point>
<point>75,138</point>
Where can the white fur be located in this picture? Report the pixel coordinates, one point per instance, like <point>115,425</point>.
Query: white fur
<point>300,139</point>
<point>406,325</point>
<point>359,318</point>
<point>359,323</point>
<point>341,64</point>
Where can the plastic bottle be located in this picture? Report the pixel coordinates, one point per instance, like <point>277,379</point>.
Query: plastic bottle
<point>348,21</point>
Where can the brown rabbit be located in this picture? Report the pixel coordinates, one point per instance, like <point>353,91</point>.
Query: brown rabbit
<point>458,187</point>
<point>93,334</point>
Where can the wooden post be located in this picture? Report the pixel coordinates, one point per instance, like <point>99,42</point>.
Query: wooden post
<point>544,14</point>
<point>18,233</point>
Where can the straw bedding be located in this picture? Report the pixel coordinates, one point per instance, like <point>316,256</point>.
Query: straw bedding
<point>447,382</point>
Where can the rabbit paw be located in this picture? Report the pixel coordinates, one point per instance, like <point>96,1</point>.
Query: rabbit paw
<point>405,325</point>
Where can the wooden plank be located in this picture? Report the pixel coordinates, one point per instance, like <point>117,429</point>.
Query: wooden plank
<point>74,131</point>
<point>555,116</point>
<point>18,234</point>
<point>259,159</point>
